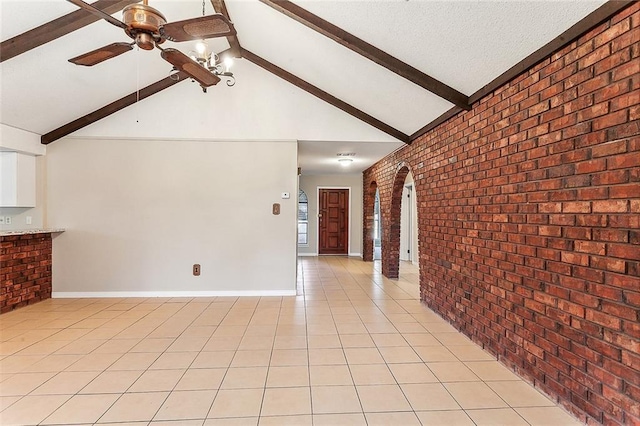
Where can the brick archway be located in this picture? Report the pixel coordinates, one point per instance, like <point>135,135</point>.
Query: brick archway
<point>391,236</point>
<point>368,205</point>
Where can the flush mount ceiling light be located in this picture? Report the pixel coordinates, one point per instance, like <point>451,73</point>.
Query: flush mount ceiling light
<point>345,159</point>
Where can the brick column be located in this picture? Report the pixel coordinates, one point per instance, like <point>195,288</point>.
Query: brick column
<point>369,195</point>
<point>391,238</point>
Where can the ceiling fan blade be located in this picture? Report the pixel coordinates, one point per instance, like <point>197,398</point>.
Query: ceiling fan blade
<point>98,12</point>
<point>94,57</point>
<point>187,65</point>
<point>198,28</point>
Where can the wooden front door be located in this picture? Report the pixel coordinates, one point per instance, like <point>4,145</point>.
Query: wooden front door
<point>334,221</point>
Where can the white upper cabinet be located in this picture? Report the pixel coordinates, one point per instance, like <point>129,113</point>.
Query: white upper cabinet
<point>17,180</point>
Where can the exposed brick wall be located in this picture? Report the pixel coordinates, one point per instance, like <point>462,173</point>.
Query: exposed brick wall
<point>25,270</point>
<point>529,221</point>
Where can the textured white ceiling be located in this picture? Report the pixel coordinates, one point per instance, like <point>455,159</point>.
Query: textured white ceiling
<point>465,44</point>
<point>19,16</point>
<point>334,68</point>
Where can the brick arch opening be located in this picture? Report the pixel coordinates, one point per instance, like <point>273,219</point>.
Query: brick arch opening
<point>391,233</point>
<point>368,235</point>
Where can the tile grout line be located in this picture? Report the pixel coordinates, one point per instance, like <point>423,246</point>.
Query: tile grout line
<point>77,392</point>
<point>186,369</point>
<point>234,355</point>
<point>147,369</point>
<point>335,287</point>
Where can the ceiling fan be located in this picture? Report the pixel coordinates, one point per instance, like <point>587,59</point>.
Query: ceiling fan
<point>149,28</point>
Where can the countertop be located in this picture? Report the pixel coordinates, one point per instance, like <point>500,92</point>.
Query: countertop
<point>12,232</point>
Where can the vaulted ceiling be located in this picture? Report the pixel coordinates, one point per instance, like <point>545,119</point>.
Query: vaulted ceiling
<point>363,76</point>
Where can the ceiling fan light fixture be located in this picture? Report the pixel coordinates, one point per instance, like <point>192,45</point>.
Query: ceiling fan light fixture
<point>211,61</point>
<point>228,62</point>
<point>201,54</point>
<point>148,28</point>
<point>201,47</point>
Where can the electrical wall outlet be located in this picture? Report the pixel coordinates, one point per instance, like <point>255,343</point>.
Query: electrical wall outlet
<point>28,220</point>
<point>7,220</point>
<point>196,269</point>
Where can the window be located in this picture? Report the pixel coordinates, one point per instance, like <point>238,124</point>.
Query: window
<point>303,219</point>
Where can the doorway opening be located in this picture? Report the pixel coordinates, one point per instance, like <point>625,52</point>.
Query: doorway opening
<point>408,268</point>
<point>409,222</point>
<point>377,228</point>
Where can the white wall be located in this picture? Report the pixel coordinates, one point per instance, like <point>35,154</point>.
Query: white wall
<point>140,213</point>
<point>310,184</point>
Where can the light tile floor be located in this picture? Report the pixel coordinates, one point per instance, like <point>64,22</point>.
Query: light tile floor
<point>353,348</point>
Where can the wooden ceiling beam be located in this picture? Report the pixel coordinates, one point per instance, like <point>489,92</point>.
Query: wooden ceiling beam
<point>57,28</point>
<point>113,107</point>
<point>302,84</point>
<point>220,7</point>
<point>369,51</point>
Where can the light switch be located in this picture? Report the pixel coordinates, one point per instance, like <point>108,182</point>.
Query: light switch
<point>276,208</point>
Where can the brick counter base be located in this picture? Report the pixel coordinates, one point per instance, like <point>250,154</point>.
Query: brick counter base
<point>25,270</point>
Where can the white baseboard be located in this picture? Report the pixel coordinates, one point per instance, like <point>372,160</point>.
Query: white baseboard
<point>108,294</point>
<point>307,254</point>
<point>355,254</point>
